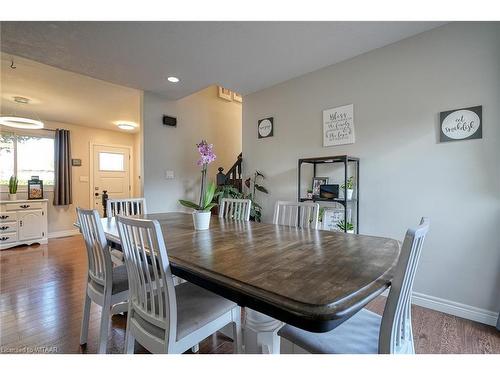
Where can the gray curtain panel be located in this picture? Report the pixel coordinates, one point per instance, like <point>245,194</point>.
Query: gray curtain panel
<point>62,161</point>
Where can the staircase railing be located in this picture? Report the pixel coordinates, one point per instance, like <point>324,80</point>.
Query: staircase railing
<point>233,175</point>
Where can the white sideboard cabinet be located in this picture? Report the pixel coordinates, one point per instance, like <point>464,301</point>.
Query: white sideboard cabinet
<point>23,222</point>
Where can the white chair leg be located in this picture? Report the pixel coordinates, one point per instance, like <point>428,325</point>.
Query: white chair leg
<point>129,343</point>
<point>237,332</point>
<point>103,335</point>
<point>85,320</point>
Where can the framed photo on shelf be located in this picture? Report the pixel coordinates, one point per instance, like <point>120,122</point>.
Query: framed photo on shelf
<point>316,183</point>
<point>35,188</point>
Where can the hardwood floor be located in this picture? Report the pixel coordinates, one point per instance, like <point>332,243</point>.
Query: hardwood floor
<point>41,302</point>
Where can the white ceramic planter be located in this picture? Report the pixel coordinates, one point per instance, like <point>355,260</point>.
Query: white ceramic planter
<point>349,194</point>
<point>13,197</point>
<point>351,231</point>
<point>201,220</point>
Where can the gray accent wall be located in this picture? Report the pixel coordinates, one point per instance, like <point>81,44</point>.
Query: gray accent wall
<point>398,92</point>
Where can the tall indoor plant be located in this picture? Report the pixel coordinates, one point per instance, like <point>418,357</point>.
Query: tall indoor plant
<point>201,215</point>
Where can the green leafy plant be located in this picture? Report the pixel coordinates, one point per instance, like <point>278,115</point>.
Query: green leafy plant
<point>349,183</point>
<point>321,213</point>
<point>310,191</point>
<point>254,184</point>
<point>206,201</point>
<point>13,185</point>
<point>345,225</point>
<point>227,191</point>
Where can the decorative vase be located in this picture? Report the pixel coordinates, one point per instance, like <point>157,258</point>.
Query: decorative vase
<point>349,194</point>
<point>201,220</point>
<point>13,197</point>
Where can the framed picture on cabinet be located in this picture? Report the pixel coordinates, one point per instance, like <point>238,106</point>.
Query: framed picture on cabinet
<point>35,188</point>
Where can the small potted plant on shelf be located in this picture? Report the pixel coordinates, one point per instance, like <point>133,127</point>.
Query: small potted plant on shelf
<point>350,187</point>
<point>201,215</point>
<point>346,226</point>
<point>309,193</point>
<point>13,188</point>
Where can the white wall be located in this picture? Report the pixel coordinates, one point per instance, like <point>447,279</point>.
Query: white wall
<point>398,92</point>
<point>199,116</point>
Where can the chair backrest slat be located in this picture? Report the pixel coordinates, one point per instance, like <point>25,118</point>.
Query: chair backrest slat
<point>236,209</point>
<point>151,288</point>
<point>126,207</point>
<point>300,215</point>
<point>100,266</point>
<point>395,331</point>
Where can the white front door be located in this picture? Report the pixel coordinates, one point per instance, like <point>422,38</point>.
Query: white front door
<point>111,173</point>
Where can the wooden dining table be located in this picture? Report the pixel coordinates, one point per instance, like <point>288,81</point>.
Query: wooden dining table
<point>312,279</point>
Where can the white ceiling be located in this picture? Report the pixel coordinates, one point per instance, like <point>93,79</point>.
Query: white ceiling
<point>62,96</point>
<point>242,56</point>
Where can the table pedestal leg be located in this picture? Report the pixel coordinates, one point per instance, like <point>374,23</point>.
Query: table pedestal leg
<point>260,333</point>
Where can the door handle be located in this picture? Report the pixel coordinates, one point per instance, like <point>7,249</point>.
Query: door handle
<point>4,238</point>
<point>4,217</point>
<point>4,227</point>
<point>96,194</point>
<point>25,206</point>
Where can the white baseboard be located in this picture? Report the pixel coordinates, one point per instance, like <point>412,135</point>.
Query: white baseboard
<point>454,308</point>
<point>63,233</point>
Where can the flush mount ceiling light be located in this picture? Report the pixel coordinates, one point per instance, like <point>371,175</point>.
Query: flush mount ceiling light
<point>20,122</point>
<point>173,79</point>
<point>126,125</point>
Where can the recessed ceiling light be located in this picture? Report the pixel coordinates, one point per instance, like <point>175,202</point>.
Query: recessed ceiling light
<point>126,126</point>
<point>20,122</point>
<point>173,79</point>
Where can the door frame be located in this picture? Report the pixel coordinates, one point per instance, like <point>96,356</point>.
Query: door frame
<point>91,168</point>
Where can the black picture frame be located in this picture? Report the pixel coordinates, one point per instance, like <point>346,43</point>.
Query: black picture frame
<point>453,126</point>
<point>35,189</point>
<point>260,131</point>
<point>316,183</point>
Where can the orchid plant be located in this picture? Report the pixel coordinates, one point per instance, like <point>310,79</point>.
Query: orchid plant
<point>207,156</point>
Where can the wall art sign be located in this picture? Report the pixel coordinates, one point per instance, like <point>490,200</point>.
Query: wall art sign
<point>331,217</point>
<point>265,127</point>
<point>338,126</point>
<point>460,124</point>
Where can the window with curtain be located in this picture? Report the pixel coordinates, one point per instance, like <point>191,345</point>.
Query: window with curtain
<point>26,155</point>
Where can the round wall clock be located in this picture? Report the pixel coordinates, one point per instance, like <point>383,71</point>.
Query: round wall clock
<point>265,127</point>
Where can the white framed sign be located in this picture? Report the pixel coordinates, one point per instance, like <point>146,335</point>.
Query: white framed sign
<point>461,124</point>
<point>338,126</point>
<point>331,217</point>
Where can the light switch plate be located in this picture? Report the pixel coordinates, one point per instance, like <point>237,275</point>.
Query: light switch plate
<point>84,178</point>
<point>169,175</point>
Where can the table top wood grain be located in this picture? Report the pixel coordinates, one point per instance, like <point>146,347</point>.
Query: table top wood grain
<point>313,279</point>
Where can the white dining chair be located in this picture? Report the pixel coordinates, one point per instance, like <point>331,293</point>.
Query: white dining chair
<point>126,207</point>
<point>366,332</point>
<point>299,215</point>
<point>236,209</point>
<point>162,317</point>
<point>106,286</point>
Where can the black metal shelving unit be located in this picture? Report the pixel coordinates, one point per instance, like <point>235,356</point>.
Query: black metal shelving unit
<point>345,160</point>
